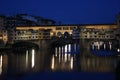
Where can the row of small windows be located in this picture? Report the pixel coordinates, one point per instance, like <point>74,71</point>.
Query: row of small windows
<point>98,36</point>
<point>29,38</point>
<point>34,37</point>
<point>65,28</point>
<point>90,32</point>
<point>31,34</point>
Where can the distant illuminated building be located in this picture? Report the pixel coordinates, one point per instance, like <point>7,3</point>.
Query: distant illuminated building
<point>99,31</point>
<point>2,22</point>
<point>4,36</point>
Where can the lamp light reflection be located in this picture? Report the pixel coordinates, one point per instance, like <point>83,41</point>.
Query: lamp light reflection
<point>69,47</point>
<point>0,64</point>
<point>65,57</point>
<point>56,52</point>
<point>26,58</point>
<point>65,48</point>
<point>71,65</point>
<point>53,63</point>
<point>33,58</point>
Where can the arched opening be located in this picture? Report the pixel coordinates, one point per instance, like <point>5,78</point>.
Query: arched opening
<point>59,34</point>
<point>66,35</point>
<point>24,45</point>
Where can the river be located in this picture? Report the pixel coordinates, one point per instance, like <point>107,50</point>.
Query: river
<point>67,59</point>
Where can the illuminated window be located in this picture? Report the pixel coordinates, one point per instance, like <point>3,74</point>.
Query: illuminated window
<point>58,28</point>
<point>65,28</point>
<point>4,34</point>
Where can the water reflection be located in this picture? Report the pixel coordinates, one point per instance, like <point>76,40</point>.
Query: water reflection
<point>29,61</point>
<point>97,45</point>
<point>1,64</point>
<point>102,48</point>
<point>33,58</point>
<point>63,59</point>
<point>26,58</point>
<point>98,64</point>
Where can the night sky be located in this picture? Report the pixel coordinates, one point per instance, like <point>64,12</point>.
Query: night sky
<point>66,11</point>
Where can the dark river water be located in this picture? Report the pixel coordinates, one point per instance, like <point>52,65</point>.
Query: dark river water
<point>58,60</point>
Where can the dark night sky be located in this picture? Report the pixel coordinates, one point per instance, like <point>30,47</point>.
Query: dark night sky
<point>66,11</point>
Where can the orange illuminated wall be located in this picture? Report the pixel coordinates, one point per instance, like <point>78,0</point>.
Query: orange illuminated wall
<point>102,26</point>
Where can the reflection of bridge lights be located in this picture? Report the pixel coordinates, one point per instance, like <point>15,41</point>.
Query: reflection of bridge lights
<point>75,47</point>
<point>53,63</point>
<point>71,65</point>
<point>69,47</point>
<point>65,48</point>
<point>33,58</point>
<point>59,57</point>
<point>68,56</point>
<point>62,49</point>
<point>56,52</point>
<point>65,57</point>
<point>26,58</point>
<point>59,50</point>
<point>0,64</point>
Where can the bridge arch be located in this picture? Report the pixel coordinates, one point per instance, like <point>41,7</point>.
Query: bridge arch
<point>25,44</point>
<point>66,34</point>
<point>59,34</point>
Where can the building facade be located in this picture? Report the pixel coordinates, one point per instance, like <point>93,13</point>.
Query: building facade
<point>100,31</point>
<point>4,36</point>
<point>88,31</point>
<point>2,22</point>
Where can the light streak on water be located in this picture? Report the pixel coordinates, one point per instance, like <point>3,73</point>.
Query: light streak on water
<point>53,63</point>
<point>69,47</point>
<point>75,47</point>
<point>93,46</point>
<point>62,49</point>
<point>71,63</point>
<point>65,57</point>
<point>104,46</point>
<point>33,58</point>
<point>56,52</point>
<point>0,64</point>
<point>65,48</point>
<point>59,56</point>
<point>110,45</point>
<point>68,56</point>
<point>26,58</point>
<point>62,53</point>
